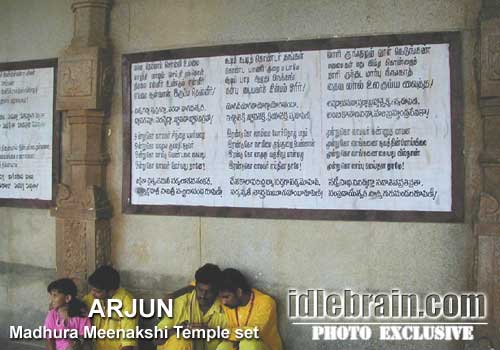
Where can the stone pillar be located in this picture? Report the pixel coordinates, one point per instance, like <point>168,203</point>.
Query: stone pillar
<point>84,87</point>
<point>487,221</point>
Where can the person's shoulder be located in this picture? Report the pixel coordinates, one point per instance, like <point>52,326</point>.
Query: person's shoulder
<point>51,314</point>
<point>123,294</point>
<point>218,306</point>
<point>87,297</point>
<point>228,311</point>
<point>263,298</point>
<point>88,300</point>
<point>185,298</point>
<point>50,319</point>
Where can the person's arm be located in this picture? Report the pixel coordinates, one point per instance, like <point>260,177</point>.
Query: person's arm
<point>165,322</point>
<point>83,325</point>
<point>172,296</point>
<point>168,323</point>
<point>49,323</point>
<point>219,320</point>
<point>161,341</point>
<point>128,323</point>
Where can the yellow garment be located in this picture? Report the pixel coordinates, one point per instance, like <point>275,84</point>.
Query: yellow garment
<point>245,344</point>
<point>260,313</point>
<point>114,322</point>
<point>186,308</point>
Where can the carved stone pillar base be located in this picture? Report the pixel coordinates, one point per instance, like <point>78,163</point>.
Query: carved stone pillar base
<point>487,232</point>
<point>82,246</point>
<point>83,233</point>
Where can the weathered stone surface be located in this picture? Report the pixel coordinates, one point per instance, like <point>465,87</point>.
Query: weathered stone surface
<point>487,225</point>
<point>85,79</point>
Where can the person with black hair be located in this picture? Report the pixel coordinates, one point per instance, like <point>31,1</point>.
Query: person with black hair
<point>67,312</point>
<point>248,308</point>
<point>196,309</point>
<point>105,284</point>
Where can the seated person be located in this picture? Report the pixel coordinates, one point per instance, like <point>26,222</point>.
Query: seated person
<point>67,312</point>
<point>105,284</point>
<point>197,308</point>
<point>247,308</point>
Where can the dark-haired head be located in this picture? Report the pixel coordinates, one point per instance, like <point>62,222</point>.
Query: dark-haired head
<point>232,280</point>
<point>64,286</point>
<point>208,274</point>
<point>63,295</point>
<point>234,288</point>
<point>104,282</point>
<point>207,284</point>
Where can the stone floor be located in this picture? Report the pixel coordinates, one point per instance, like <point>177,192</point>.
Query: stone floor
<point>10,345</point>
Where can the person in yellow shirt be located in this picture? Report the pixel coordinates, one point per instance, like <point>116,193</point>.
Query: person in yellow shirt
<point>248,309</point>
<point>199,308</point>
<point>105,284</point>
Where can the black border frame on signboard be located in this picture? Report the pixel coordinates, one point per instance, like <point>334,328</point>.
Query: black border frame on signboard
<point>56,136</point>
<point>452,38</point>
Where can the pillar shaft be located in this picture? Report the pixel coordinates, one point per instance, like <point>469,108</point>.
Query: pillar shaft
<point>83,212</point>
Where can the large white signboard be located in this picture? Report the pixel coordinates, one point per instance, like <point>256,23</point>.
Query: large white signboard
<point>353,128</point>
<point>26,123</point>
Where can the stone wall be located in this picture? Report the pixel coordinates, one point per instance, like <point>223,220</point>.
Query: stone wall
<point>28,30</point>
<point>160,253</point>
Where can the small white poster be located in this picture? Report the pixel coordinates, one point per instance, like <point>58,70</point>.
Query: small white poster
<point>26,123</point>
